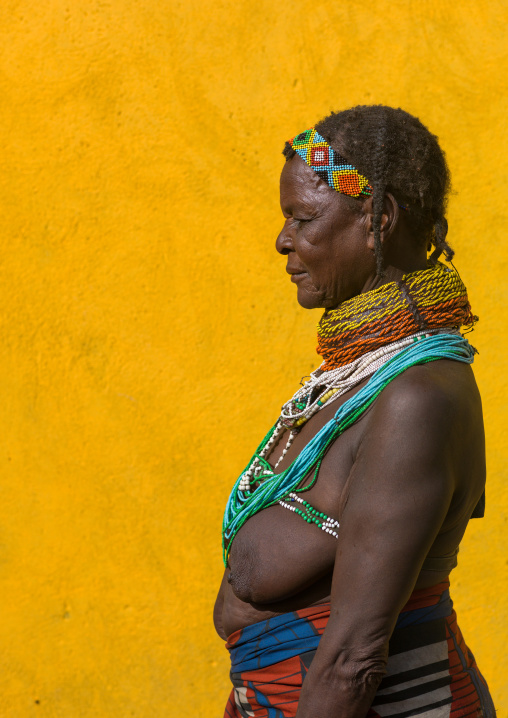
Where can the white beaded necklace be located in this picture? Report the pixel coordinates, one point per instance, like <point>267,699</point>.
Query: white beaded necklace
<point>321,388</point>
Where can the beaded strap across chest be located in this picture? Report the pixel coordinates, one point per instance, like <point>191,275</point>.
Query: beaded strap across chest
<point>310,514</point>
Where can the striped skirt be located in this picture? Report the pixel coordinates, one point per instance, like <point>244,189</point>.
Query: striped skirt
<point>430,672</point>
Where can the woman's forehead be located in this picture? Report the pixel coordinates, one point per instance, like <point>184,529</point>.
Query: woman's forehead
<point>299,181</point>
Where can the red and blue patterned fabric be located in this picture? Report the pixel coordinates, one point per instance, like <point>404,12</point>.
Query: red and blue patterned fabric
<point>430,672</point>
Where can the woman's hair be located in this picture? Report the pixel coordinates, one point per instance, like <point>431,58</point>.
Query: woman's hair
<point>397,154</point>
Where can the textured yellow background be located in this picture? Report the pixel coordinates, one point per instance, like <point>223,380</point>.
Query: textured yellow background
<point>149,333</point>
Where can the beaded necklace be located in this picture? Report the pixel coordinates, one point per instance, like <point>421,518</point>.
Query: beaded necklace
<point>374,334</point>
<point>335,382</point>
<point>321,388</point>
<point>269,488</point>
<point>432,298</point>
<point>311,515</point>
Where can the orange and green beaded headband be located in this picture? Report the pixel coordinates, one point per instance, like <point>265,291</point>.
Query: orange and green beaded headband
<point>326,162</point>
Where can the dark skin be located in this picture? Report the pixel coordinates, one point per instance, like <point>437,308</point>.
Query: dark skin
<point>403,481</point>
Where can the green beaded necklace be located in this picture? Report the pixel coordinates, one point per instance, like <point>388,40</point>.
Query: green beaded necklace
<point>271,487</point>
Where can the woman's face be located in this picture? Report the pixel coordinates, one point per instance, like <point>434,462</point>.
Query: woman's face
<point>324,238</point>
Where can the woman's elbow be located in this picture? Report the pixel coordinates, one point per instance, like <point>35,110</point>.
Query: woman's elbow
<point>360,668</point>
<point>365,674</point>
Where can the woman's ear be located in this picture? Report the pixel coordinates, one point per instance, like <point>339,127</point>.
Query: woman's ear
<point>389,219</point>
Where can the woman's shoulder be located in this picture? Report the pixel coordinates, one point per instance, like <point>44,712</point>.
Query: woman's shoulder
<point>442,391</point>
<point>429,421</point>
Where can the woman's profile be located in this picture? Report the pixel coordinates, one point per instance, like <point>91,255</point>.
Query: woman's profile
<point>340,534</point>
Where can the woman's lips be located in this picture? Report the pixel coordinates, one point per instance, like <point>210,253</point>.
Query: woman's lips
<point>296,276</point>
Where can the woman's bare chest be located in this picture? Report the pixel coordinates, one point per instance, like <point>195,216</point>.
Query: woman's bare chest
<point>286,547</point>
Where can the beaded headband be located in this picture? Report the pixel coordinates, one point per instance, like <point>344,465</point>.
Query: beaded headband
<point>326,162</point>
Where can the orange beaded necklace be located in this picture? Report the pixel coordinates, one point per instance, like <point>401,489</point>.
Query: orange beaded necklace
<point>428,299</point>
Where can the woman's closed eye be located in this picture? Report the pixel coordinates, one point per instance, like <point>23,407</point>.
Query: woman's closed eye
<point>297,218</point>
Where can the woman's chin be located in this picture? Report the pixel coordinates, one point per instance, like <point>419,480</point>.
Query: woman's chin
<point>309,300</point>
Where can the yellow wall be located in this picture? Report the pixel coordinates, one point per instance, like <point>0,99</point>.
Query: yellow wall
<point>149,333</point>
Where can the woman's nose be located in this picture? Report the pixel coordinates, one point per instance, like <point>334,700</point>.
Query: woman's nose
<point>284,243</point>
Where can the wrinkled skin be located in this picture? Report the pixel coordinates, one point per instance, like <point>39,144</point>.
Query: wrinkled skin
<point>402,481</point>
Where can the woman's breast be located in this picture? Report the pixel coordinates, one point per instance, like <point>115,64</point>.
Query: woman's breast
<point>277,554</point>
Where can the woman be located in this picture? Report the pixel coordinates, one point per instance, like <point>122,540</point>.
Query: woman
<point>340,534</point>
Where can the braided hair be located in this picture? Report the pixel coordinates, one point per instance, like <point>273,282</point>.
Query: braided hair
<point>398,154</point>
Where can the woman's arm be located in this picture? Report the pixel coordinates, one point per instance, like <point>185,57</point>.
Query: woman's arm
<point>400,490</point>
